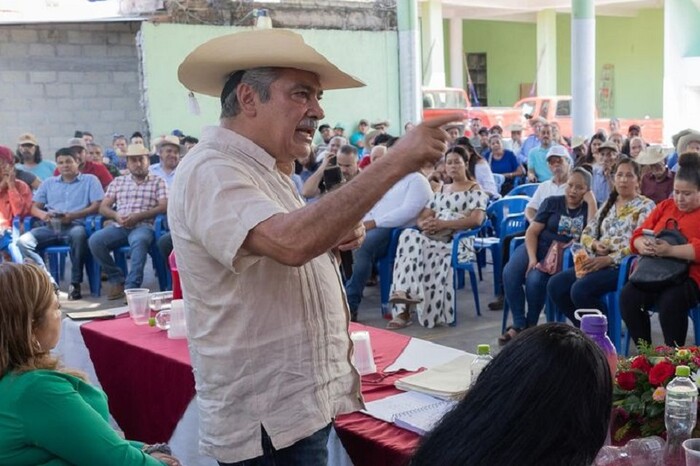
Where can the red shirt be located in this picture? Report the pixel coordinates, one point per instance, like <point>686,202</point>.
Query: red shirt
<point>655,190</point>
<point>688,224</point>
<point>97,169</point>
<point>14,203</point>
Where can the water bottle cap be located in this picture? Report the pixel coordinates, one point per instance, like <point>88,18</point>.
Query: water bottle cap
<point>482,350</point>
<point>682,371</point>
<point>594,323</point>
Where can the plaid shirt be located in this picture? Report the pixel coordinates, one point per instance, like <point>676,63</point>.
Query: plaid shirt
<point>133,197</point>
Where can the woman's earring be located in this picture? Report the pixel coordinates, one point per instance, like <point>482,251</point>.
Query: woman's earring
<point>37,345</point>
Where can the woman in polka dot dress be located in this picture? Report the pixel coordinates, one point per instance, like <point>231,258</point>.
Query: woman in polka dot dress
<point>423,271</point>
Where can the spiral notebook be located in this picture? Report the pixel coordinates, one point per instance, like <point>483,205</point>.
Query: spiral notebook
<point>412,411</point>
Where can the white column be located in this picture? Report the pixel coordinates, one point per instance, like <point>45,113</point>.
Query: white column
<point>410,99</point>
<point>547,52</point>
<point>583,67</point>
<point>456,53</point>
<point>433,44</point>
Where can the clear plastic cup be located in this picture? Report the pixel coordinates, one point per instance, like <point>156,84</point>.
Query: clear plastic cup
<point>691,447</point>
<point>137,299</point>
<point>363,357</point>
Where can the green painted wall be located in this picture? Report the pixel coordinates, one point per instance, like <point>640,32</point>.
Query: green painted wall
<point>510,56</point>
<point>634,45</point>
<point>371,56</point>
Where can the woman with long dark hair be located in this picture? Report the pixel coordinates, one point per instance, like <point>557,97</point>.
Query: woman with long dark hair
<point>478,167</point>
<point>672,302</point>
<point>545,400</point>
<point>606,240</point>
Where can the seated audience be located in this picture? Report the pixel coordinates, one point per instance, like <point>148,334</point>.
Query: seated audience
<point>15,201</point>
<point>636,145</point>
<point>139,198</point>
<point>606,240</point>
<point>346,160</point>
<point>169,158</point>
<point>537,168</point>
<point>62,203</point>
<point>533,140</point>
<point>423,268</point>
<point>657,181</point>
<point>592,155</point>
<point>29,155</point>
<point>559,218</point>
<point>672,302</point>
<point>51,414</point>
<point>545,400</point>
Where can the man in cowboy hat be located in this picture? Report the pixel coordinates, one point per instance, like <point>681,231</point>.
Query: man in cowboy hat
<point>601,184</point>
<point>139,197</point>
<point>62,202</point>
<point>85,165</point>
<point>266,315</point>
<point>169,153</point>
<point>657,182</point>
<point>381,125</point>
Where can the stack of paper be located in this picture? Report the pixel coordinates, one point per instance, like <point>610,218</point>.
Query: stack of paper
<point>411,411</point>
<point>448,381</point>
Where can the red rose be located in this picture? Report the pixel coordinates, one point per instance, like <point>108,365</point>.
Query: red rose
<point>626,380</point>
<point>661,372</point>
<point>641,363</point>
<point>663,349</point>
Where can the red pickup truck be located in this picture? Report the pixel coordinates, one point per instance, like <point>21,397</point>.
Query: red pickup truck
<point>437,102</point>
<point>558,108</point>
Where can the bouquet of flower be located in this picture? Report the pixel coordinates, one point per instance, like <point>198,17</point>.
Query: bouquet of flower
<point>639,391</point>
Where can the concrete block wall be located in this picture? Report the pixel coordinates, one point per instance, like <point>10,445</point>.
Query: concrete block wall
<point>59,78</point>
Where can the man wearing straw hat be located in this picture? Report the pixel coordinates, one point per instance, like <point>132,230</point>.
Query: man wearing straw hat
<point>266,315</point>
<point>139,198</point>
<point>657,182</point>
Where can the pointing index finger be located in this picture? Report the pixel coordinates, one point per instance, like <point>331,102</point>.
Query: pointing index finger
<point>442,120</point>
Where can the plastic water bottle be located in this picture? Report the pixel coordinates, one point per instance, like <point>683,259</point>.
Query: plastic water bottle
<point>646,451</point>
<point>681,413</point>
<point>483,357</point>
<point>595,325</point>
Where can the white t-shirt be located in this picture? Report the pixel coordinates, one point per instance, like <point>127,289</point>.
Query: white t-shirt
<point>544,190</point>
<point>401,205</point>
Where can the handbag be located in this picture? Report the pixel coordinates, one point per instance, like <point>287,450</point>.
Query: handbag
<point>657,273</point>
<point>552,262</point>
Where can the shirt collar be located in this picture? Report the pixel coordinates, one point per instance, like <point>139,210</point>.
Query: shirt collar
<point>77,178</point>
<point>228,141</point>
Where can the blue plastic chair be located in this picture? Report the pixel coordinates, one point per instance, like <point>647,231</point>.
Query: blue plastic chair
<point>498,210</point>
<point>461,267</point>
<point>527,189</point>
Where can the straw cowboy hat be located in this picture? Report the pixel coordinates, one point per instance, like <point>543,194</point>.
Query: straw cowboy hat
<point>577,141</point>
<point>676,137</point>
<point>651,156</point>
<point>135,150</point>
<point>207,68</point>
<point>168,140</point>
<point>609,145</point>
<point>378,123</point>
<point>687,139</point>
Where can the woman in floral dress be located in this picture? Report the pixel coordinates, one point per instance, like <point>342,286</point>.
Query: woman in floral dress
<point>606,239</point>
<point>423,269</point>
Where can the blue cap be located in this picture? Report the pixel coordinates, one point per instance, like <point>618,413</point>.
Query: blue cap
<point>178,133</point>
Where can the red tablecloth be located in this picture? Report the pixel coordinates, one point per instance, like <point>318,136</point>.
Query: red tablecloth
<point>148,379</point>
<point>369,441</point>
<point>147,376</point>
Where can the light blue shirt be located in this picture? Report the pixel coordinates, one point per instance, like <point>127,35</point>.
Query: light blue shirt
<point>59,196</point>
<point>42,170</point>
<point>157,170</point>
<point>530,143</point>
<point>537,162</point>
<point>600,185</point>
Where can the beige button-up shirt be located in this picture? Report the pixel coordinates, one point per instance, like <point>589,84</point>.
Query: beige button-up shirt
<point>269,342</point>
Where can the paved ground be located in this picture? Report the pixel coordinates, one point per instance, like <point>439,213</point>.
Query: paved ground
<point>470,330</point>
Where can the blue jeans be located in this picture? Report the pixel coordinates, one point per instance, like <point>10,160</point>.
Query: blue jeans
<point>535,291</point>
<point>570,293</point>
<point>375,245</point>
<point>139,239</point>
<point>309,451</point>
<point>31,246</point>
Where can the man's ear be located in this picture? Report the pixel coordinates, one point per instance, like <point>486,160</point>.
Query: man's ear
<point>247,99</point>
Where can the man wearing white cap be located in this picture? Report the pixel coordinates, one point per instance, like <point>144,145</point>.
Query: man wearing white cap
<point>266,315</point>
